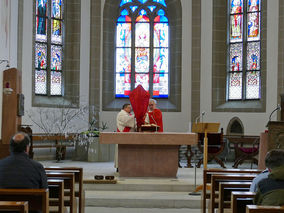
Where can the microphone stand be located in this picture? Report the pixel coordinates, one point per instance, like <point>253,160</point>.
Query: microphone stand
<point>155,123</point>
<point>278,108</point>
<point>195,192</point>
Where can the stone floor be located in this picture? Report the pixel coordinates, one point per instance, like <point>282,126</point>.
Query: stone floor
<point>140,195</point>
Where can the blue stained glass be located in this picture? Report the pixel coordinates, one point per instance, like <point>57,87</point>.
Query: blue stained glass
<point>142,12</point>
<point>41,8</point>
<point>143,1</point>
<point>161,35</point>
<point>124,12</point>
<point>152,8</point>
<point>56,8</point>
<point>124,19</point>
<point>161,19</point>
<point>123,35</point>
<point>124,2</point>
<point>236,6</point>
<point>161,2</point>
<point>161,12</point>
<point>133,8</point>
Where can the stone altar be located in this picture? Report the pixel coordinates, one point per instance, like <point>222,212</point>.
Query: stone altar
<point>148,154</point>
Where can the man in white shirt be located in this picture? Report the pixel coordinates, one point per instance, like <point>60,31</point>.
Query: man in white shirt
<point>125,122</point>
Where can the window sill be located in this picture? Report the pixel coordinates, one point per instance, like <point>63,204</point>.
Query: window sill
<point>241,106</point>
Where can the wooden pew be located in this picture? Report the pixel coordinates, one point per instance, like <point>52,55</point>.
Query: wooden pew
<point>207,173</point>
<point>216,178</point>
<point>235,200</point>
<point>225,190</point>
<point>37,198</point>
<point>56,194</point>
<point>18,206</point>
<point>78,172</point>
<point>69,185</point>
<point>264,209</point>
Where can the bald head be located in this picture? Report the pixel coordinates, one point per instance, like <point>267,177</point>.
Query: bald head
<point>19,142</point>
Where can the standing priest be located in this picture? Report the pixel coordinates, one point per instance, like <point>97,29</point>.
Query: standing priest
<point>154,115</point>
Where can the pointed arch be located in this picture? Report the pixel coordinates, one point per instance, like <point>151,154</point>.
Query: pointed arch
<point>165,10</point>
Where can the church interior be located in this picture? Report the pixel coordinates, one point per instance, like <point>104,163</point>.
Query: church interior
<point>214,67</point>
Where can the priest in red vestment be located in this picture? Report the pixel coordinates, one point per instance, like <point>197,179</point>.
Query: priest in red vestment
<point>154,115</point>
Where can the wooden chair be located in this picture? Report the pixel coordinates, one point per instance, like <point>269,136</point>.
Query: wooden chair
<point>56,194</point>
<point>264,209</point>
<point>216,146</point>
<point>37,198</point>
<point>207,173</point>
<point>78,172</point>
<point>69,185</point>
<point>239,201</point>
<point>217,178</point>
<point>246,148</point>
<point>18,206</point>
<point>225,190</point>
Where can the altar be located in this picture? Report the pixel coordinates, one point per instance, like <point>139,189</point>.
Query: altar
<point>148,154</point>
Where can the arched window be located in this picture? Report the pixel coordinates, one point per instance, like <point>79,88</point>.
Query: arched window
<point>142,48</point>
<point>244,51</point>
<point>48,47</point>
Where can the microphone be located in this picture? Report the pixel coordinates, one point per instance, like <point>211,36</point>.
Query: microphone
<point>155,123</point>
<point>200,116</point>
<point>270,116</point>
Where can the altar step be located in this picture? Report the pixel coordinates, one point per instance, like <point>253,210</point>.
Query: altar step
<point>138,210</point>
<point>158,185</point>
<point>142,199</point>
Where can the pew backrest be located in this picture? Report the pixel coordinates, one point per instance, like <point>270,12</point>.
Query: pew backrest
<point>264,209</point>
<point>207,173</point>
<point>78,172</point>
<point>56,191</point>
<point>235,199</point>
<point>18,206</point>
<point>37,198</point>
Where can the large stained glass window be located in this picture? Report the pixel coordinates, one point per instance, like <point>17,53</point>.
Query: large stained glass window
<point>48,47</point>
<point>142,48</point>
<point>244,68</point>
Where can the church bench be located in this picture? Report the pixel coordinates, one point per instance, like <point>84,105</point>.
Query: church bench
<point>18,206</point>
<point>37,198</point>
<point>239,200</point>
<point>264,209</point>
<point>78,172</point>
<point>207,173</point>
<point>69,186</point>
<point>217,178</point>
<point>56,194</point>
<point>225,190</point>
<point>57,141</point>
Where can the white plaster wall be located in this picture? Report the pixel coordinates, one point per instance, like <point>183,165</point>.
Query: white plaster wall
<point>27,61</point>
<point>173,121</point>
<point>8,40</point>
<point>254,123</point>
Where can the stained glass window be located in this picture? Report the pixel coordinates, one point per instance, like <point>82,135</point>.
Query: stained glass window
<point>142,48</point>
<point>48,47</point>
<point>244,57</point>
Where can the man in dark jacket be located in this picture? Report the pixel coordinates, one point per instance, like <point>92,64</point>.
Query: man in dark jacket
<point>271,190</point>
<point>17,170</point>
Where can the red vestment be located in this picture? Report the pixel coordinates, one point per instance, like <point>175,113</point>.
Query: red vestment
<point>156,117</point>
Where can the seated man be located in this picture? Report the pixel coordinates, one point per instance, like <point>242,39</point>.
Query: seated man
<point>270,190</point>
<point>154,115</point>
<point>17,170</point>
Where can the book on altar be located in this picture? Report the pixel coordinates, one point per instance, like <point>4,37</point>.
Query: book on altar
<point>149,128</point>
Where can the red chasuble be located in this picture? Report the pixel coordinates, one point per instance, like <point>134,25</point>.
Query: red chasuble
<point>155,117</point>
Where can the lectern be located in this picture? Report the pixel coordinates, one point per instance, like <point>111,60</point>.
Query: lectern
<point>205,128</point>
